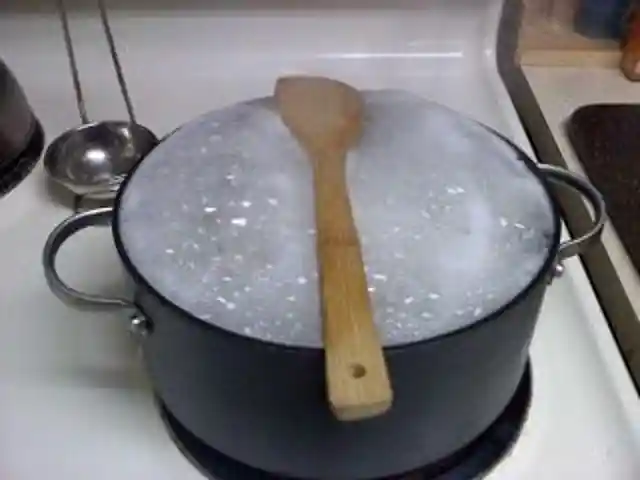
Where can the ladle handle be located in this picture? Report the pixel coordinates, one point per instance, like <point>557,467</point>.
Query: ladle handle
<point>357,378</point>
<point>73,65</point>
<point>104,18</point>
<point>69,295</point>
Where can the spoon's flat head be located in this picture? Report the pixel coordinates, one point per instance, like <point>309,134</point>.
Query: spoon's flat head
<point>322,113</point>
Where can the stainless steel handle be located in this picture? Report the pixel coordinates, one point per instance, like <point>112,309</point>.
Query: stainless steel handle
<point>566,178</point>
<point>117,66</point>
<point>69,295</point>
<point>73,64</point>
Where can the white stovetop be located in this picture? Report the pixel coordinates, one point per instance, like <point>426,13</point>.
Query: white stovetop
<point>74,399</point>
<point>561,91</point>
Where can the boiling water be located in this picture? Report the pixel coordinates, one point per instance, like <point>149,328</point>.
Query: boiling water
<point>219,219</point>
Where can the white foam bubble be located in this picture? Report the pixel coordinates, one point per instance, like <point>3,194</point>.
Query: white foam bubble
<point>455,224</point>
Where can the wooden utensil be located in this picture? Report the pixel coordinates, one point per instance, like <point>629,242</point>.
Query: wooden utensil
<point>325,116</point>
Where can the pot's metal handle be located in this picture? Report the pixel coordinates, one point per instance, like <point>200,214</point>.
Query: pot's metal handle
<point>564,177</point>
<point>71,296</point>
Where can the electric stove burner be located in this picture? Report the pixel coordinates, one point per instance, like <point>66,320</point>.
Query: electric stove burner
<point>472,462</point>
<point>15,171</point>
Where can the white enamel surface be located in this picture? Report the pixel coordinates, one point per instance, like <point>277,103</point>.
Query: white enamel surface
<point>74,399</point>
<point>560,91</point>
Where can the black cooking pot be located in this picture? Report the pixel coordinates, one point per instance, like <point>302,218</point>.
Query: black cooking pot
<point>243,368</point>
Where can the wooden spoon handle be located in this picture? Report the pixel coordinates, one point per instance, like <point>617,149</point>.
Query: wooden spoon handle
<point>357,378</point>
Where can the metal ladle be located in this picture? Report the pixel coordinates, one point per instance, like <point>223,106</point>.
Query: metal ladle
<point>93,159</point>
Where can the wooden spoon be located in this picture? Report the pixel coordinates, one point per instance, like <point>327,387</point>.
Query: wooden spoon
<point>325,116</point>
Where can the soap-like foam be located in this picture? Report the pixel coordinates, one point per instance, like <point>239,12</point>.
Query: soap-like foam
<point>219,219</point>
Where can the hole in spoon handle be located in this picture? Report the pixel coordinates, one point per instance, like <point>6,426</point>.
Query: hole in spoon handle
<point>358,370</point>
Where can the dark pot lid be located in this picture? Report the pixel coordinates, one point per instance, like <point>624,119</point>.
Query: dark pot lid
<point>218,219</point>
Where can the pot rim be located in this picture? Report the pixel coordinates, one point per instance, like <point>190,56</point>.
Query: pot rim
<point>544,270</point>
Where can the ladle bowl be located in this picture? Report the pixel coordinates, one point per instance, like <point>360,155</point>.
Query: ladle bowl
<point>93,159</point>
